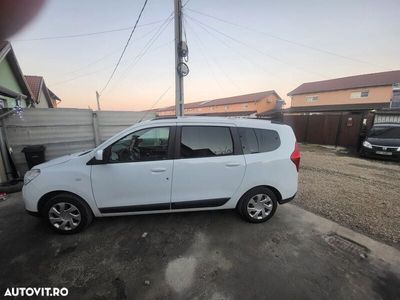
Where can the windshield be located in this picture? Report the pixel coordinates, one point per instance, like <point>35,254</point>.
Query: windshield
<point>385,132</point>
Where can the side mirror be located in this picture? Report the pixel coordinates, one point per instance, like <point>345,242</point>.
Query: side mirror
<point>99,155</point>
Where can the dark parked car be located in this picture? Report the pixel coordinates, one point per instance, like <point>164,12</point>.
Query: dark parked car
<point>383,140</point>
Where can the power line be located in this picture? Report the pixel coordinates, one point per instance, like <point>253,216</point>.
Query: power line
<point>91,63</point>
<point>155,103</point>
<point>285,40</point>
<point>126,46</point>
<point>234,49</point>
<point>86,66</point>
<point>256,49</point>
<point>147,47</point>
<point>201,46</point>
<point>69,36</point>
<point>186,3</point>
<point>99,70</point>
<point>80,76</point>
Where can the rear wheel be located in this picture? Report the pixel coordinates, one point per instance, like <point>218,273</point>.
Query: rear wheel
<point>66,213</point>
<point>258,205</point>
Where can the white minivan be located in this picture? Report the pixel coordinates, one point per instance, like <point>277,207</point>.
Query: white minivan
<point>170,165</point>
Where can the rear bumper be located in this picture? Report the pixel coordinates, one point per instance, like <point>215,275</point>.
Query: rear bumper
<point>283,201</point>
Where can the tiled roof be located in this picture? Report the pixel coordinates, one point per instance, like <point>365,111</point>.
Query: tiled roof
<point>6,52</point>
<point>35,83</point>
<point>351,82</point>
<point>3,44</point>
<point>336,107</point>
<point>254,97</point>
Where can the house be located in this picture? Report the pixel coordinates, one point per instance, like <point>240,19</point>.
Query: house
<point>360,92</point>
<point>43,97</point>
<point>242,105</point>
<point>14,90</point>
<point>340,111</point>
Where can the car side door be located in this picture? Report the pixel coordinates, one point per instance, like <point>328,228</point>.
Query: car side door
<point>209,167</point>
<point>136,174</point>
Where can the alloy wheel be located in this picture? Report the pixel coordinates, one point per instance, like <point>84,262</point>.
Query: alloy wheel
<point>260,206</point>
<point>64,216</point>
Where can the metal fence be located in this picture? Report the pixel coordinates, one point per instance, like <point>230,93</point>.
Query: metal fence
<point>63,130</point>
<point>338,129</point>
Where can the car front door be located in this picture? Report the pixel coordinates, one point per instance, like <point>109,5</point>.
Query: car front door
<point>209,167</point>
<point>136,173</point>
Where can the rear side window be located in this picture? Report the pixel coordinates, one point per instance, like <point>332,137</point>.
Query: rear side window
<point>205,141</point>
<point>258,140</point>
<point>249,140</point>
<point>268,140</point>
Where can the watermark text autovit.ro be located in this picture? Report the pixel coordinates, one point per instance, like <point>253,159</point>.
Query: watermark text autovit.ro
<point>36,291</point>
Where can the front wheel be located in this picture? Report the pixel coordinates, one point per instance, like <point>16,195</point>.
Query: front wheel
<point>67,214</point>
<point>258,205</point>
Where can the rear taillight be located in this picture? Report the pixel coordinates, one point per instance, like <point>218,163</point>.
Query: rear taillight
<point>295,157</point>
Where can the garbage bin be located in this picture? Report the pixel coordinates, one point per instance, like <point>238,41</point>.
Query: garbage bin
<point>34,155</point>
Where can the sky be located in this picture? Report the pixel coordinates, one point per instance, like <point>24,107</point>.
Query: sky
<point>235,47</point>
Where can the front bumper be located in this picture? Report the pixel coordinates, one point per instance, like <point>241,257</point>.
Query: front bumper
<point>388,154</point>
<point>33,213</point>
<point>31,196</point>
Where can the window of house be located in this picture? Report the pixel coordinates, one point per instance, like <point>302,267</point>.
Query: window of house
<point>143,145</point>
<point>359,94</point>
<point>205,141</point>
<point>226,107</point>
<point>311,98</point>
<point>2,103</point>
<point>245,105</point>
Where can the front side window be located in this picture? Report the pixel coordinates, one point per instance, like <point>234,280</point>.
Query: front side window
<point>205,141</point>
<point>143,145</point>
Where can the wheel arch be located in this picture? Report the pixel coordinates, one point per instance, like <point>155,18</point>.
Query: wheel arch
<point>46,197</point>
<point>273,189</point>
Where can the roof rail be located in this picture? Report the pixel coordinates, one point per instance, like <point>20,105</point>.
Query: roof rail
<point>164,117</point>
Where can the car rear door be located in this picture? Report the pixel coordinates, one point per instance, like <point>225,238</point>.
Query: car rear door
<point>209,166</point>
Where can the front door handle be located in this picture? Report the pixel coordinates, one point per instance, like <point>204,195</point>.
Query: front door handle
<point>158,170</point>
<point>232,164</point>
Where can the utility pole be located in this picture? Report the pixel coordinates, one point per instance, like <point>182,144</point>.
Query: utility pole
<point>98,100</point>
<point>179,95</point>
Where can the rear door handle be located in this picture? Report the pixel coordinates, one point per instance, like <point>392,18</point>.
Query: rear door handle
<point>232,164</point>
<point>158,170</point>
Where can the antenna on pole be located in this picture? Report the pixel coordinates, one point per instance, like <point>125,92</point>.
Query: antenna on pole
<point>181,51</point>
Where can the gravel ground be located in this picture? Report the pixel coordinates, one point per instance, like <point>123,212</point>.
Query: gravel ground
<point>363,194</point>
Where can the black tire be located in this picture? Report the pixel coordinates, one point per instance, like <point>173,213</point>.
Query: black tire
<point>270,198</point>
<point>70,202</point>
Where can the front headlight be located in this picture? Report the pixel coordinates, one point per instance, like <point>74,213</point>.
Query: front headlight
<point>367,144</point>
<point>398,149</point>
<point>30,175</point>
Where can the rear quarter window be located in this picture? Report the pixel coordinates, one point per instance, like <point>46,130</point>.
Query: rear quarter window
<point>256,140</point>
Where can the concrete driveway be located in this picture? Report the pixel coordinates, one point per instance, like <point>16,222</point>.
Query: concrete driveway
<point>204,255</point>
